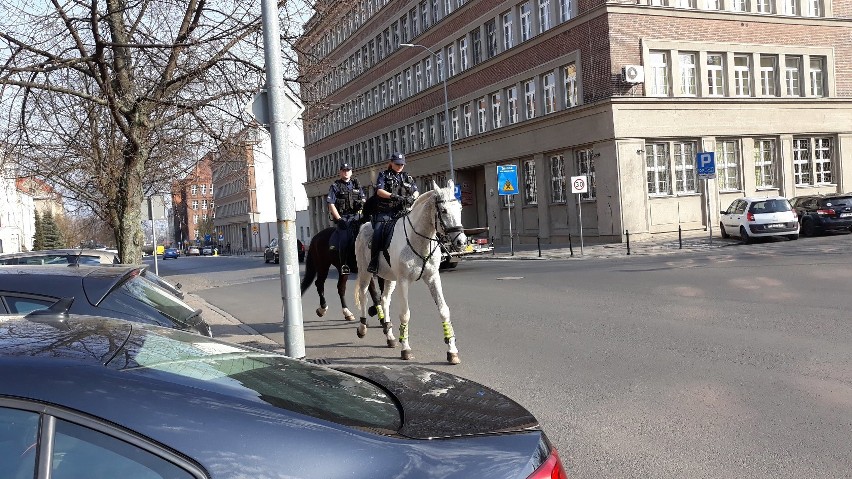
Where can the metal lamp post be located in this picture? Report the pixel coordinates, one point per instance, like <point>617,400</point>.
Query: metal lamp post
<point>446,109</point>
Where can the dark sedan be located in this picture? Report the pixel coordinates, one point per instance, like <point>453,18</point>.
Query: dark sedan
<point>821,213</point>
<point>99,398</point>
<point>270,253</point>
<point>114,291</point>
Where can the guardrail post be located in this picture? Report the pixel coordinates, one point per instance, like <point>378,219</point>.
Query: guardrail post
<point>679,238</point>
<point>570,246</point>
<point>627,233</point>
<point>538,239</point>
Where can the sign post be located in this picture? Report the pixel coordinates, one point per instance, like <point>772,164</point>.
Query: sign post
<point>580,185</point>
<point>706,167</point>
<point>507,185</point>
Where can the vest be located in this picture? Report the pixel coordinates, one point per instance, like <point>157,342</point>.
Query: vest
<point>347,200</point>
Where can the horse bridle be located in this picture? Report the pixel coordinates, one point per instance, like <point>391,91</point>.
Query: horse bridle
<point>445,230</point>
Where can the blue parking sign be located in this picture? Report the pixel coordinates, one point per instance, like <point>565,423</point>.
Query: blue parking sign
<point>706,165</point>
<point>458,192</point>
<point>507,180</point>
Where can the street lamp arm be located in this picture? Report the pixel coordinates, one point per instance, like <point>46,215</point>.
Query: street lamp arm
<point>446,110</point>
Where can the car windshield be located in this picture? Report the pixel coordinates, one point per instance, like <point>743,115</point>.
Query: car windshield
<point>837,201</point>
<point>770,206</point>
<point>270,378</point>
<point>139,289</point>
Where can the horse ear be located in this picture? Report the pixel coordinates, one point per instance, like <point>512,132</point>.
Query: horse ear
<point>451,185</point>
<point>434,185</point>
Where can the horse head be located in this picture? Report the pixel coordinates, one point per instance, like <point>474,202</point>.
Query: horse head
<point>448,215</point>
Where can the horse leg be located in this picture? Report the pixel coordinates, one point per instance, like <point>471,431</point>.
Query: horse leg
<point>434,284</point>
<point>387,324</point>
<point>404,317</point>
<point>360,296</point>
<point>341,291</point>
<point>322,274</point>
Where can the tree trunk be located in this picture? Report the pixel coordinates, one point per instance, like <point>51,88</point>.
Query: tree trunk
<point>127,219</point>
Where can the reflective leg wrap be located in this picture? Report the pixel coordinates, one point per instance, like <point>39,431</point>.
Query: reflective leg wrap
<point>403,332</point>
<point>448,331</point>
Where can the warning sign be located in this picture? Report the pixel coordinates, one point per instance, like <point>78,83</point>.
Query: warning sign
<point>507,179</point>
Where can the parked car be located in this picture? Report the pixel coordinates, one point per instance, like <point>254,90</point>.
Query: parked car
<point>116,291</point>
<point>61,256</point>
<point>821,213</point>
<point>270,253</point>
<point>193,251</point>
<point>100,398</point>
<point>171,253</point>
<point>207,251</point>
<point>749,218</point>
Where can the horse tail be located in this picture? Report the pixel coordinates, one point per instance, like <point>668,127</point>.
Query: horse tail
<point>310,272</point>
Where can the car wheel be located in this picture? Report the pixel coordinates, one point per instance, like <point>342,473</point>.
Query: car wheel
<point>792,237</point>
<point>744,235</point>
<point>808,228</point>
<point>277,260</point>
<point>265,259</point>
<point>722,230</point>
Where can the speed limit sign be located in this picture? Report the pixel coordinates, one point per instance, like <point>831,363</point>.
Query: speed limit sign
<point>579,184</point>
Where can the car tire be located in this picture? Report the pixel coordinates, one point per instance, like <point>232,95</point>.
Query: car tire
<point>277,260</point>
<point>808,228</point>
<point>265,259</point>
<point>744,235</point>
<point>722,230</point>
<point>793,237</point>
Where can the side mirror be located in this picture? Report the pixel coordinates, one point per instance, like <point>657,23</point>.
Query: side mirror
<point>724,212</point>
<point>178,286</point>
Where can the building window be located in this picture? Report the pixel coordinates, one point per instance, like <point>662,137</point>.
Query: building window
<point>496,113</point>
<point>764,6</point>
<point>454,118</point>
<point>430,128</point>
<point>462,48</point>
<point>792,75</point>
<point>586,167</point>
<point>739,5</point>
<point>570,73</point>
<point>564,10</point>
<point>424,14</point>
<point>764,163</point>
<point>802,162</point>
<point>451,60</point>
<point>427,68</point>
<point>203,190</point>
<point>448,7</point>
<point>529,95</point>
<point>530,197</point>
<point>508,41</point>
<point>481,107</point>
<point>557,179</point>
<point>203,204</point>
<point>544,14</point>
<point>791,7</point>
<point>812,161</point>
<point>742,75</point>
<point>418,77</point>
<point>526,21</point>
<point>715,75</point>
<point>687,73</point>
<point>768,66</point>
<point>728,165</point>
<point>193,189</point>
<point>512,101</point>
<point>658,84</point>
<point>468,124</point>
<point>817,75</point>
<point>439,66</point>
<point>476,45</point>
<point>442,127</point>
<point>657,168</point>
<point>549,86</point>
<point>491,38</point>
<point>408,89</point>
<point>421,135</point>
<point>195,204</point>
<point>814,8</point>
<point>195,221</point>
<point>686,175</point>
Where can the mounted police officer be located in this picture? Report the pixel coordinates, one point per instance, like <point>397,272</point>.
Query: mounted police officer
<point>345,200</point>
<point>395,191</point>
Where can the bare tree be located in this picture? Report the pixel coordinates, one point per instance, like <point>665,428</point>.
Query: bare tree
<point>112,100</point>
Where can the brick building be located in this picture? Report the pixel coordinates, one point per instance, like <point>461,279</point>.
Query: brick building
<point>192,203</point>
<point>626,93</point>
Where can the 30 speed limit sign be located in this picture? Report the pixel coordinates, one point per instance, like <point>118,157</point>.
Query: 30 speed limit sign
<point>579,184</point>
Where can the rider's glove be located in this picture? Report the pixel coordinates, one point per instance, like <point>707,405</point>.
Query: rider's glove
<point>408,201</point>
<point>341,223</point>
<point>394,197</point>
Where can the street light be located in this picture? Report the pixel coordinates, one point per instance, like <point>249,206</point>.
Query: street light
<point>446,109</point>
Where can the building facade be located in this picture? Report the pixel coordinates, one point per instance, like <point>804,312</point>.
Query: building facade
<point>17,213</point>
<point>193,207</point>
<point>625,93</point>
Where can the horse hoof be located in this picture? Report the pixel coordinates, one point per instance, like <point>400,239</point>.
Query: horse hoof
<point>406,354</point>
<point>362,331</point>
<point>349,318</point>
<point>372,311</point>
<point>453,358</point>
<point>392,343</point>
<point>320,312</point>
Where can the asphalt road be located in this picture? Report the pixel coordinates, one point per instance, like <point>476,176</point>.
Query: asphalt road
<point>731,363</point>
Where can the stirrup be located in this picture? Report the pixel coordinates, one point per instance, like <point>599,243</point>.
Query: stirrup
<point>344,269</point>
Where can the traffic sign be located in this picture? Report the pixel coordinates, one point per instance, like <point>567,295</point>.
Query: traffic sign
<point>706,165</point>
<point>579,184</point>
<point>207,238</point>
<point>458,192</point>
<point>221,237</point>
<point>507,180</point>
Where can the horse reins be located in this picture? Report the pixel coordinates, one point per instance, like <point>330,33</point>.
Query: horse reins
<point>438,220</point>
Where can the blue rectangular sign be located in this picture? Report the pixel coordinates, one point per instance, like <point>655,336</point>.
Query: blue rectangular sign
<point>507,180</point>
<point>705,163</point>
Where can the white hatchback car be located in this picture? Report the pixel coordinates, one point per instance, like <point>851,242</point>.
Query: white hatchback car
<point>750,218</point>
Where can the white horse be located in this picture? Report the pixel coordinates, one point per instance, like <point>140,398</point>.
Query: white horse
<point>414,253</point>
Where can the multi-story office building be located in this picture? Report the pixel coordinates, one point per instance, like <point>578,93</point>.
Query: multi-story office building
<point>626,93</point>
<point>193,209</point>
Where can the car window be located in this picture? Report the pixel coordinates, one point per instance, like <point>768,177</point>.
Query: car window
<point>741,207</point>
<point>24,305</point>
<point>140,296</point>
<point>769,206</point>
<point>282,382</point>
<point>837,201</point>
<point>82,452</point>
<point>18,433</point>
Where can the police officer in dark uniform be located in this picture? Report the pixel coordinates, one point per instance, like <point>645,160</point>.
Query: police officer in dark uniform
<point>395,191</point>
<point>345,200</point>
